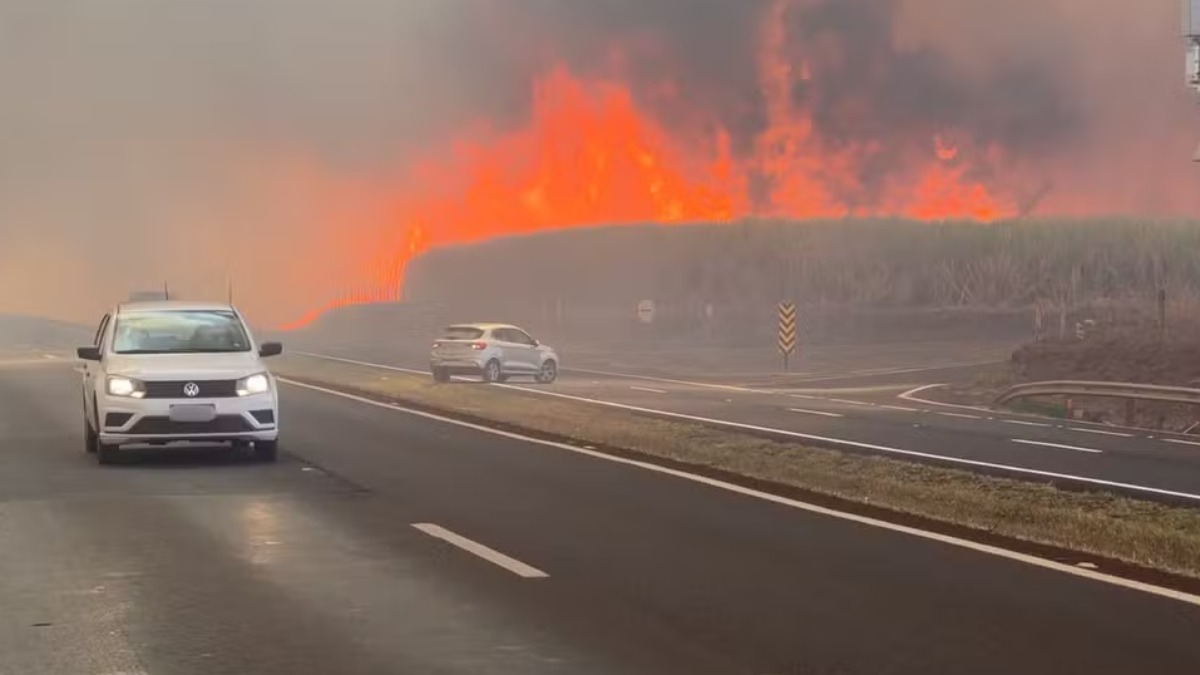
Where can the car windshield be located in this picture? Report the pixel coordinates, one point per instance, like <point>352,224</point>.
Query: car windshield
<point>462,333</point>
<point>180,331</point>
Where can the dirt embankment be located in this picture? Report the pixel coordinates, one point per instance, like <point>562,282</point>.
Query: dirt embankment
<point>1123,357</point>
<point>1133,354</point>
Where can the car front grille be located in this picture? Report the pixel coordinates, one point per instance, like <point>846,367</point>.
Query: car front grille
<point>223,424</point>
<point>208,389</point>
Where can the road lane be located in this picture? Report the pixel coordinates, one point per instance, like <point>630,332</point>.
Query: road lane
<point>773,589</point>
<point>201,563</point>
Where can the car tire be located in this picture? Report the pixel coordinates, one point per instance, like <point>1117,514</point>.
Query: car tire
<point>441,375</point>
<point>492,371</point>
<point>548,372</point>
<point>266,451</point>
<point>91,442</point>
<point>107,454</point>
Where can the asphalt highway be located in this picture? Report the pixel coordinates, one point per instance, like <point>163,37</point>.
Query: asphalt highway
<point>386,542</point>
<point>883,411</point>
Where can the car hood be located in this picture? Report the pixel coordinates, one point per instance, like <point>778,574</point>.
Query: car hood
<point>231,366</point>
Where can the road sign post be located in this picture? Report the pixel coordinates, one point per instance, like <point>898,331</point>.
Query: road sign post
<point>787,332</point>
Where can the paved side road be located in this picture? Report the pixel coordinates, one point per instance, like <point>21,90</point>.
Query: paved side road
<point>867,414</point>
<point>526,558</point>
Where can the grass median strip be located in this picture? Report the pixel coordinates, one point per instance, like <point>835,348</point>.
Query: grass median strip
<point>1116,528</point>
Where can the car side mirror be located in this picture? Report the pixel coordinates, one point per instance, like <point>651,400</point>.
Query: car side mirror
<point>88,353</point>
<point>535,343</point>
<point>270,349</point>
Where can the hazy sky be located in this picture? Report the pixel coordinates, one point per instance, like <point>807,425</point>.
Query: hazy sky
<point>187,139</point>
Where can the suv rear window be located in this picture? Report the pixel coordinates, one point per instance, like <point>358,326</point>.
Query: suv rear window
<point>461,333</point>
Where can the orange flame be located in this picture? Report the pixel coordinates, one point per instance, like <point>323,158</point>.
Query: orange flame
<point>590,156</point>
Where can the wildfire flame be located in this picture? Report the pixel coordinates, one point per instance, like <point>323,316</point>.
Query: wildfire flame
<point>590,156</point>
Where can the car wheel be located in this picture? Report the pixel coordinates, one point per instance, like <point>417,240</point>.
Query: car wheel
<point>90,439</point>
<point>441,375</point>
<point>266,451</point>
<point>548,372</point>
<point>107,454</point>
<point>491,371</point>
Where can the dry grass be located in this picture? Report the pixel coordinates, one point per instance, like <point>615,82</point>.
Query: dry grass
<point>1115,527</point>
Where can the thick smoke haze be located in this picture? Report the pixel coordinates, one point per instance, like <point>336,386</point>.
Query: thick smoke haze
<point>256,140</point>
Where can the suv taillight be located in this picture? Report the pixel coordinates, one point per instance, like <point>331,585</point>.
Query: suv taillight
<point>479,346</point>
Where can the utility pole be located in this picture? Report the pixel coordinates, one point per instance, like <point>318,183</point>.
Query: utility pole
<point>1191,33</point>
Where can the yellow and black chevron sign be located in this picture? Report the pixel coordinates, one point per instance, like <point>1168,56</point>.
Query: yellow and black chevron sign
<point>787,327</point>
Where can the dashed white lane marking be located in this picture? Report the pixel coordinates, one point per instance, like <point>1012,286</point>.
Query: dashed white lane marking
<point>899,408</point>
<point>1028,424</point>
<point>806,397</point>
<point>475,548</point>
<point>846,401</point>
<point>996,551</point>
<point>1100,432</point>
<point>961,416</point>
<point>1178,441</point>
<point>1059,446</point>
<point>648,390</point>
<point>814,412</point>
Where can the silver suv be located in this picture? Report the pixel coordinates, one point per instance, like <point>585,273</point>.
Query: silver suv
<point>492,351</point>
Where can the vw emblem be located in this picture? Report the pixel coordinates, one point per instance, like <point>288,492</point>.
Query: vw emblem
<point>191,390</point>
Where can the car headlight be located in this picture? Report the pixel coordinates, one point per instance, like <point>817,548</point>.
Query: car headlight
<point>125,387</point>
<point>254,384</point>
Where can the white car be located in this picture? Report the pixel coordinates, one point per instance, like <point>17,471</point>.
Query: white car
<point>492,351</point>
<point>172,371</point>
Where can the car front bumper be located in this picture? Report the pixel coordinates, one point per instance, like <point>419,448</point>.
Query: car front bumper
<point>246,418</point>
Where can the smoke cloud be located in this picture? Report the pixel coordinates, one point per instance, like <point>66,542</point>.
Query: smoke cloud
<point>195,142</point>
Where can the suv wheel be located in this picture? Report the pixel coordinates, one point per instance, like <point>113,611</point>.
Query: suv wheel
<point>491,372</point>
<point>548,373</point>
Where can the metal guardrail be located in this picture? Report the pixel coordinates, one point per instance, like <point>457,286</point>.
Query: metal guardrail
<point>1122,390</point>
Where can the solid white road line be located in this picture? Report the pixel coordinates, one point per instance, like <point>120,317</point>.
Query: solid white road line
<point>1100,432</point>
<point>814,412</point>
<point>368,364</point>
<point>648,390</point>
<point>667,380</point>
<point>1060,446</point>
<point>1028,424</point>
<point>806,397</point>
<point>961,416</point>
<point>803,506</point>
<point>475,548</point>
<point>911,395</point>
<point>1178,441</point>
